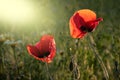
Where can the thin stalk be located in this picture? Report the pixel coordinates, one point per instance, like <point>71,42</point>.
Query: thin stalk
<point>16,63</point>
<point>75,70</point>
<point>92,45</point>
<point>5,64</point>
<point>47,69</point>
<point>73,63</point>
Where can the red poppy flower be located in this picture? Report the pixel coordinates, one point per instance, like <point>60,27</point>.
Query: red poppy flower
<point>44,50</point>
<point>83,21</point>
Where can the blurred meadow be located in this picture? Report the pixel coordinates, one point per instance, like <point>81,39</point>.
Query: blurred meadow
<point>23,22</point>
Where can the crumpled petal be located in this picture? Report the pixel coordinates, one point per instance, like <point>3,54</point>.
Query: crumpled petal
<point>44,50</point>
<point>83,21</point>
<point>33,50</point>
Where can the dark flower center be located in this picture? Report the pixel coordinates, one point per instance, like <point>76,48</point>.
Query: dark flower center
<point>86,29</point>
<point>44,55</point>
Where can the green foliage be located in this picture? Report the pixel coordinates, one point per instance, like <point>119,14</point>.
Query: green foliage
<point>17,64</point>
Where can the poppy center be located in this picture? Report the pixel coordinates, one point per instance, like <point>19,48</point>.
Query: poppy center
<point>86,29</point>
<point>44,55</point>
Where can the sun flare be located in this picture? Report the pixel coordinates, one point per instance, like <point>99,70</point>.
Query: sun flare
<point>16,11</point>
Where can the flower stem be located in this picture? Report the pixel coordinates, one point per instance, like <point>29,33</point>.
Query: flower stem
<point>74,68</point>
<point>16,63</point>
<point>47,69</point>
<point>92,45</point>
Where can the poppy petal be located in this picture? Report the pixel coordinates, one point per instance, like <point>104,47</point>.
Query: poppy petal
<point>99,19</point>
<point>83,21</point>
<point>33,50</point>
<point>46,59</point>
<point>51,47</point>
<point>44,50</point>
<point>87,14</point>
<point>44,43</point>
<point>75,24</point>
<point>93,24</point>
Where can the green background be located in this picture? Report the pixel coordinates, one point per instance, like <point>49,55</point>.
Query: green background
<point>52,17</point>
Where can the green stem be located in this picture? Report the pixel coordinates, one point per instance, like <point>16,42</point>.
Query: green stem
<point>47,68</point>
<point>16,62</point>
<point>92,44</point>
<point>75,71</point>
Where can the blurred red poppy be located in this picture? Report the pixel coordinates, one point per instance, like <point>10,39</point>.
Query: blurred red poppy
<point>44,50</point>
<point>83,21</point>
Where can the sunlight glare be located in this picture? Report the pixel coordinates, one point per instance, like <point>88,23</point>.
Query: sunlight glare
<point>16,11</point>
